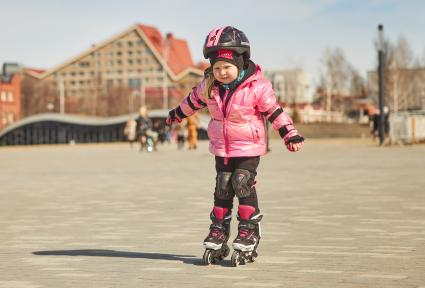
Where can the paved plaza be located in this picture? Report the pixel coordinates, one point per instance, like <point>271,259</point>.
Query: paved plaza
<point>341,213</point>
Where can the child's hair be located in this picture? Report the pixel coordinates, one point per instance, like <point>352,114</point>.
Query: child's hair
<point>209,83</point>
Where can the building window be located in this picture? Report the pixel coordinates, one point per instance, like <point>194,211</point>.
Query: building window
<point>130,43</point>
<point>4,118</point>
<point>3,96</point>
<point>10,96</point>
<point>11,118</point>
<point>109,84</point>
<point>130,62</point>
<point>133,83</point>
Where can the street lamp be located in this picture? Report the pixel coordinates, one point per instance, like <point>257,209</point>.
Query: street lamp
<point>381,83</point>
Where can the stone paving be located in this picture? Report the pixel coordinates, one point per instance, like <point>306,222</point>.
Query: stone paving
<point>341,213</point>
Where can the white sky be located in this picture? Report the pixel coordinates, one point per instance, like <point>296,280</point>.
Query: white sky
<point>283,34</point>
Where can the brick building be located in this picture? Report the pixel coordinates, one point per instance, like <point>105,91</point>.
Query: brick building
<point>137,66</point>
<point>10,97</point>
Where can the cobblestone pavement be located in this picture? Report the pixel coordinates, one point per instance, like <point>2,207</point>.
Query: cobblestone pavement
<point>338,214</point>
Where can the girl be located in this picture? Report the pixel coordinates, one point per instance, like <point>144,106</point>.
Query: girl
<point>238,98</point>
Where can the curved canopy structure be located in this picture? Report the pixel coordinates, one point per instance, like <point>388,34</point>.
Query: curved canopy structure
<point>53,128</point>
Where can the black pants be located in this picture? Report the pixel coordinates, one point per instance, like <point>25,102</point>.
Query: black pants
<point>247,163</point>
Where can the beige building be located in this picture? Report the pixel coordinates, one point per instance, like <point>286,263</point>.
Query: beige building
<point>291,85</point>
<point>137,66</point>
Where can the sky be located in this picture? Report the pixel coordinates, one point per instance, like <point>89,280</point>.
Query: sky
<point>284,34</point>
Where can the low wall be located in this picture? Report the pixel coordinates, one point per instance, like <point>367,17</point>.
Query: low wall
<point>329,130</point>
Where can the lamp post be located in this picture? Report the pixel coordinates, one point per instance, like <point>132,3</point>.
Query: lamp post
<point>381,64</point>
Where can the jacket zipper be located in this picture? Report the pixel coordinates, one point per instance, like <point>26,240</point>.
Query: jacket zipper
<point>226,142</point>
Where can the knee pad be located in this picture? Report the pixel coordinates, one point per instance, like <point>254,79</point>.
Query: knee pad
<point>243,183</point>
<point>223,186</point>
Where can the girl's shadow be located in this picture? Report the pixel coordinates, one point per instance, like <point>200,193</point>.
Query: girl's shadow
<point>188,259</point>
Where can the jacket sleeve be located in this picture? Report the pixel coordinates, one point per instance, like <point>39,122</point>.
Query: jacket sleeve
<point>192,102</point>
<point>267,104</point>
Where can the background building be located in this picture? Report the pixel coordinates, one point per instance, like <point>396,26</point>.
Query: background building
<point>137,66</point>
<point>291,85</point>
<point>10,95</point>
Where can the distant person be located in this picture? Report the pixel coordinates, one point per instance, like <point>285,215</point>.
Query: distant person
<point>239,99</point>
<point>147,137</point>
<point>130,131</point>
<point>375,125</point>
<point>192,132</point>
<point>180,135</point>
<point>376,120</point>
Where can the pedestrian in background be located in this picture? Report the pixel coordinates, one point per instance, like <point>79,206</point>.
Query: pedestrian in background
<point>192,132</point>
<point>130,131</point>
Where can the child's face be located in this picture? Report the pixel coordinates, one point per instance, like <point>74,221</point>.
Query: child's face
<point>225,72</point>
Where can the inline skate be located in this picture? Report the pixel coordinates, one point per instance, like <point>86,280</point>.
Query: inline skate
<point>249,234</point>
<point>216,248</point>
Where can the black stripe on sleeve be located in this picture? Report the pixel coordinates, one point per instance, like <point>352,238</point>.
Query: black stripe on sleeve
<point>180,113</point>
<point>283,131</point>
<point>193,107</point>
<point>275,114</point>
<point>200,102</point>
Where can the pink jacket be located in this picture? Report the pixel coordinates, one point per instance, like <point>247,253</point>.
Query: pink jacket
<point>239,130</point>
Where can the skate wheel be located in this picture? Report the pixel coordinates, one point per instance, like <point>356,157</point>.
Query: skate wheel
<point>226,251</point>
<point>208,259</point>
<point>236,258</point>
<point>253,256</point>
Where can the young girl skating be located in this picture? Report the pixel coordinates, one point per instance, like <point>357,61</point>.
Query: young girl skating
<point>239,99</point>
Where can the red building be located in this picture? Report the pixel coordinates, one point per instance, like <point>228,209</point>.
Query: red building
<point>10,100</point>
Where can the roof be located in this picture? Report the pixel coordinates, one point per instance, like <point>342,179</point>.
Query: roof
<point>179,57</point>
<point>203,65</point>
<point>179,60</point>
<point>34,71</point>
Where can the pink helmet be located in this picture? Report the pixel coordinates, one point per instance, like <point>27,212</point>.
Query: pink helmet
<point>227,37</point>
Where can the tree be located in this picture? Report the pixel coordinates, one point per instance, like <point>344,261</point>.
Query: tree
<point>404,77</point>
<point>340,83</point>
